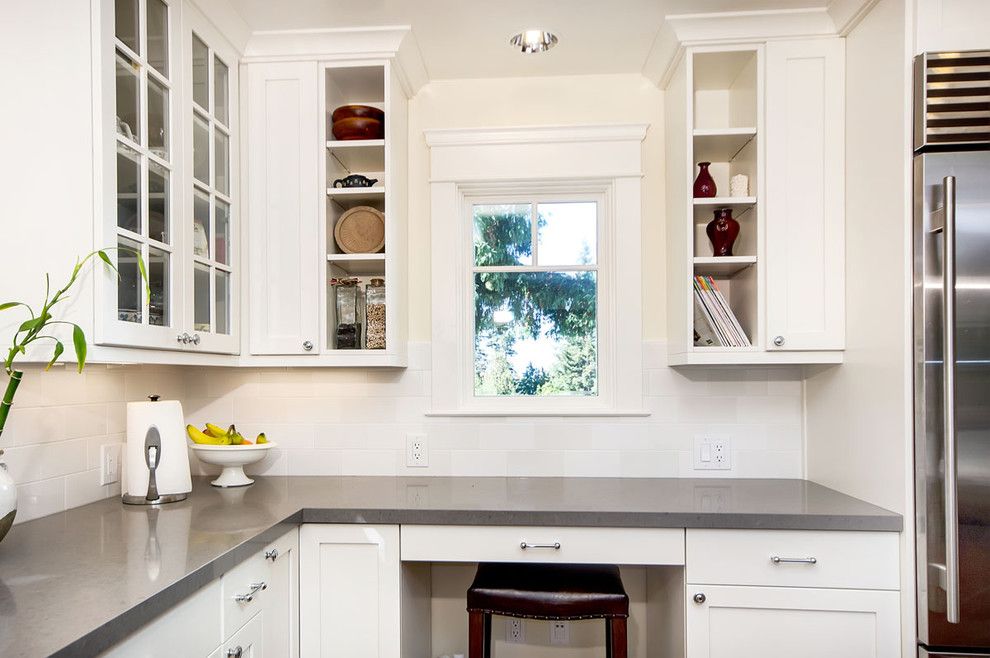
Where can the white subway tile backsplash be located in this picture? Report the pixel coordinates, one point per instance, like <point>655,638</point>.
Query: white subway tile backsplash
<point>351,421</point>
<point>41,498</point>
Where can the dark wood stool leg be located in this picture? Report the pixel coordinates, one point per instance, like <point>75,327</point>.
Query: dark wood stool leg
<point>488,636</point>
<point>477,642</point>
<point>615,634</point>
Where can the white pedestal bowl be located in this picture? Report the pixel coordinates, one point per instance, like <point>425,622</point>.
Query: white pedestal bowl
<point>232,459</point>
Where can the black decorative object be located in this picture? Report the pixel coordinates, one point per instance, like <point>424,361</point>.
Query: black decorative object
<point>355,180</point>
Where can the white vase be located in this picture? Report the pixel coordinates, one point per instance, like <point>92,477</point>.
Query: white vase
<point>8,499</point>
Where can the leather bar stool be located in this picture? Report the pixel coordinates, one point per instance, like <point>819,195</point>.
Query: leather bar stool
<point>547,591</point>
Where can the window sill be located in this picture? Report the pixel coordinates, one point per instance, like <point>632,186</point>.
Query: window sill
<point>481,413</point>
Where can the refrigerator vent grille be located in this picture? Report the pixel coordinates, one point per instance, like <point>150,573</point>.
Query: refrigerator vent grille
<point>954,108</point>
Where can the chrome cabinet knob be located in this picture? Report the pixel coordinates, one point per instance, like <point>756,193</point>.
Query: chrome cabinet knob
<point>195,339</point>
<point>272,554</point>
<point>308,345</point>
<point>700,598</point>
<point>778,341</point>
<point>236,652</point>
<point>183,338</point>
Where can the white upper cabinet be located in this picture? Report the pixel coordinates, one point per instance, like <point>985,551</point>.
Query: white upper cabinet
<point>168,191</point>
<point>805,194</point>
<point>283,195</point>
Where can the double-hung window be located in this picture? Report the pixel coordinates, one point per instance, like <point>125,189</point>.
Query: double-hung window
<point>535,297</point>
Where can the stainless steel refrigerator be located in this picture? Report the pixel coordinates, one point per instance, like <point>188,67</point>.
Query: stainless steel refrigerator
<point>952,352</point>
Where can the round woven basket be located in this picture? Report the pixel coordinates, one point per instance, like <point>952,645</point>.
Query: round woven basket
<point>360,230</point>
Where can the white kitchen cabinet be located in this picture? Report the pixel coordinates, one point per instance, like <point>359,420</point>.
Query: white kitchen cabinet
<point>783,622</point>
<point>349,599</point>
<point>248,642</point>
<point>191,628</point>
<point>254,606</point>
<point>282,190</point>
<point>805,194</point>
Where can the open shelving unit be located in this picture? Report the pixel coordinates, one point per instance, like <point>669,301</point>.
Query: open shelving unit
<point>365,83</point>
<point>721,119</point>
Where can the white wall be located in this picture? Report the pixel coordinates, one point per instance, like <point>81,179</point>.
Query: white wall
<point>858,422</point>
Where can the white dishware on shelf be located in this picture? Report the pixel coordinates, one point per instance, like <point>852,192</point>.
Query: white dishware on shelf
<point>232,459</point>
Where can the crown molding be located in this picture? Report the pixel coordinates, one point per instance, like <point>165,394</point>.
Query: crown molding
<point>387,42</point>
<point>536,134</point>
<point>846,14</point>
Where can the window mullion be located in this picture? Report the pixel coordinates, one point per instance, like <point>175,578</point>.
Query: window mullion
<point>534,231</point>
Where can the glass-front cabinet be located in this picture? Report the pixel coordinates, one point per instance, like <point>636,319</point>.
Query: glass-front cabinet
<point>168,187</point>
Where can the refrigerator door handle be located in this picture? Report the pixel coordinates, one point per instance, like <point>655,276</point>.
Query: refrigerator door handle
<point>949,400</point>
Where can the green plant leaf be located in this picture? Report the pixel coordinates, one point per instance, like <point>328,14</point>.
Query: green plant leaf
<point>144,275</point>
<point>79,343</point>
<point>29,325</point>
<point>106,259</point>
<point>59,348</point>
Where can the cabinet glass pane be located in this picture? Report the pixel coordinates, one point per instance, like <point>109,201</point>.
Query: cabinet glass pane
<point>221,158</point>
<point>157,119</point>
<point>128,189</point>
<point>126,25</point>
<point>128,100</point>
<point>159,208</point>
<point>201,224</point>
<point>201,297</point>
<point>220,96</point>
<point>158,35</point>
<point>129,283</point>
<point>158,282</point>
<point>223,302</point>
<point>222,232</point>
<point>201,150</point>
<point>200,71</point>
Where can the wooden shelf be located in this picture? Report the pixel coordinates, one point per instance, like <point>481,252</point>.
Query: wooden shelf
<point>359,264</point>
<point>724,266</point>
<point>704,208</point>
<point>720,145</point>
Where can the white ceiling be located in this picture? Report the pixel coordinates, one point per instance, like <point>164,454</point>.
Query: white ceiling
<point>469,38</point>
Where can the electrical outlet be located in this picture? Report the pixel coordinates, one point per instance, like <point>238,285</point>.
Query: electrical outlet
<point>417,451</point>
<point>514,631</point>
<point>109,463</point>
<point>560,633</point>
<point>712,453</point>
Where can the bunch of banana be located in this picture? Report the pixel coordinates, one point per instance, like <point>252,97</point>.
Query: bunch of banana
<point>218,436</point>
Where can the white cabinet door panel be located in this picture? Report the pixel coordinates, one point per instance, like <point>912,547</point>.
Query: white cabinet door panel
<point>784,622</point>
<point>349,597</point>
<point>805,194</point>
<point>283,212</point>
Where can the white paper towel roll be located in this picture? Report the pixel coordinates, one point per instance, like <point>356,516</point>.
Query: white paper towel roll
<point>172,474</point>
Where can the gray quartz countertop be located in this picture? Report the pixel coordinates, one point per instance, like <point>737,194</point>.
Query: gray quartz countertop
<point>75,583</point>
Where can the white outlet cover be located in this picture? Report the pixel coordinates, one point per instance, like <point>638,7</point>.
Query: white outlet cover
<point>109,463</point>
<point>417,451</point>
<point>712,452</point>
<point>515,631</point>
<point>560,633</point>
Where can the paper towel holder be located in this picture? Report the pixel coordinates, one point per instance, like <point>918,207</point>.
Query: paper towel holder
<point>152,450</point>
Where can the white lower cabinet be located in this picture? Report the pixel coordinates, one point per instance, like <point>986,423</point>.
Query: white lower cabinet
<point>248,642</point>
<point>784,622</point>
<point>786,593</point>
<point>251,611</point>
<point>349,600</point>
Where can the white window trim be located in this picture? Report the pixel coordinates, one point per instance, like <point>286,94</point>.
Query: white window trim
<point>471,165</point>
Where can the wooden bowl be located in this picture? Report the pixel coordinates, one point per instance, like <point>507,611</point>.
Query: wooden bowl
<point>360,230</point>
<point>358,128</point>
<point>348,111</point>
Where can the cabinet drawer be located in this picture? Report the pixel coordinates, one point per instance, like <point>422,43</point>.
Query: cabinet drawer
<point>861,560</point>
<point>427,543</point>
<point>245,587</point>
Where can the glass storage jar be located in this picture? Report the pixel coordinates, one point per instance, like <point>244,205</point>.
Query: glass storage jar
<point>349,311</point>
<point>374,294</point>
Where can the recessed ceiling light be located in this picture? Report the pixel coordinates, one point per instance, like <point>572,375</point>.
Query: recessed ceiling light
<point>534,41</point>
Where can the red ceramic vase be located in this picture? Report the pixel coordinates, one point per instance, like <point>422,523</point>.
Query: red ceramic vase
<point>722,231</point>
<point>704,184</point>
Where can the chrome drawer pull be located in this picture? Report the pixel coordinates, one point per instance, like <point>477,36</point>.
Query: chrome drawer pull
<point>793,560</point>
<point>236,652</point>
<point>272,554</point>
<point>247,598</point>
<point>555,546</point>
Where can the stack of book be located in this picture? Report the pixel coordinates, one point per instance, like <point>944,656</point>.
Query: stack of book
<point>715,325</point>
